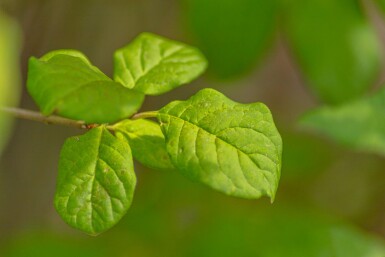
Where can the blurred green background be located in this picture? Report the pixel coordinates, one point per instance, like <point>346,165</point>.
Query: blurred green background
<point>293,55</point>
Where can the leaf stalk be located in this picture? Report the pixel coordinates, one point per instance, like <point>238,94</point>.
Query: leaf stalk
<point>37,116</point>
<point>144,115</point>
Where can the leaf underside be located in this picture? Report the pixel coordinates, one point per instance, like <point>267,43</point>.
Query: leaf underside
<point>65,82</point>
<point>234,148</point>
<point>147,143</point>
<point>96,181</point>
<point>155,65</point>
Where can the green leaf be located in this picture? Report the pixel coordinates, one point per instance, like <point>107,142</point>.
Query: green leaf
<point>358,124</point>
<point>155,65</point>
<point>96,181</point>
<point>65,82</point>
<point>335,46</point>
<point>10,74</point>
<point>234,148</point>
<point>146,141</point>
<point>234,35</point>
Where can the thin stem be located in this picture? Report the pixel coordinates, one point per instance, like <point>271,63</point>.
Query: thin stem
<point>36,116</point>
<point>143,115</point>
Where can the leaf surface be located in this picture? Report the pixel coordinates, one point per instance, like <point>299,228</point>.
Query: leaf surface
<point>96,181</point>
<point>358,124</point>
<point>146,141</point>
<point>335,46</point>
<point>234,35</point>
<point>155,65</point>
<point>65,82</point>
<point>234,148</point>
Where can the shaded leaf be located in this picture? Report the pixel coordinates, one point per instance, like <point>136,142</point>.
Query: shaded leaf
<point>10,75</point>
<point>96,181</point>
<point>234,35</point>
<point>155,65</point>
<point>335,46</point>
<point>234,148</point>
<point>146,141</point>
<point>349,242</point>
<point>358,124</point>
<point>66,83</point>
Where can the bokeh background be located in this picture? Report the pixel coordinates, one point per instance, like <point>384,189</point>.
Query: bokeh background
<point>293,55</point>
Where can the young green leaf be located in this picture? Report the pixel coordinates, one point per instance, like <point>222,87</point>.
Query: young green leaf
<point>234,35</point>
<point>146,141</point>
<point>358,124</point>
<point>96,181</point>
<point>10,74</point>
<point>234,148</point>
<point>335,46</point>
<point>155,65</point>
<point>65,82</point>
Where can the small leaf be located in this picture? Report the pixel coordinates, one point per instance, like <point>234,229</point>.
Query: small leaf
<point>96,181</point>
<point>10,74</point>
<point>358,124</point>
<point>335,45</point>
<point>147,143</point>
<point>234,35</point>
<point>234,148</point>
<point>155,65</point>
<point>66,83</point>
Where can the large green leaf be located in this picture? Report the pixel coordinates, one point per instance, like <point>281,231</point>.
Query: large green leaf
<point>359,124</point>
<point>96,181</point>
<point>10,75</point>
<point>146,141</point>
<point>234,148</point>
<point>234,35</point>
<point>66,83</point>
<point>335,46</point>
<point>155,65</point>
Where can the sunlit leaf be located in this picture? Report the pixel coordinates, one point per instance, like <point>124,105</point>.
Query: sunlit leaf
<point>234,148</point>
<point>234,35</point>
<point>155,65</point>
<point>147,143</point>
<point>358,124</point>
<point>65,82</point>
<point>96,181</point>
<point>335,46</point>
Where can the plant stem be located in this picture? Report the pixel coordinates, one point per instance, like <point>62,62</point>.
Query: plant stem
<point>36,116</point>
<point>143,115</point>
<point>57,120</point>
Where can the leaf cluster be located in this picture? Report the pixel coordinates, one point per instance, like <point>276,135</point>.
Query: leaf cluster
<point>231,147</point>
